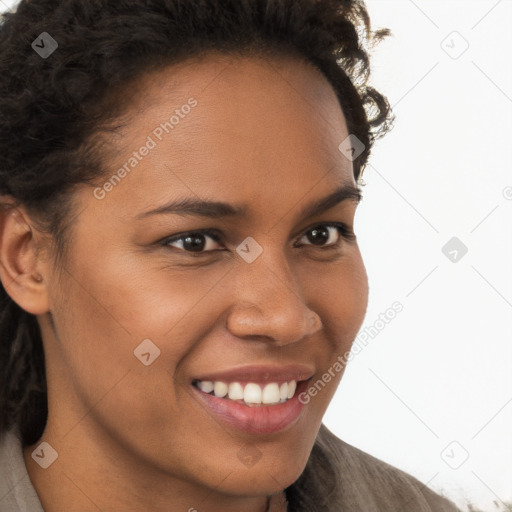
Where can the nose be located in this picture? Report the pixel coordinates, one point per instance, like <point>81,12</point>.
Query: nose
<point>269,306</point>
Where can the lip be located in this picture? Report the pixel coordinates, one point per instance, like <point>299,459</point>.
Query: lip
<point>260,374</point>
<point>261,419</point>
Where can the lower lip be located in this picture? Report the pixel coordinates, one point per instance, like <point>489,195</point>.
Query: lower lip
<point>260,419</point>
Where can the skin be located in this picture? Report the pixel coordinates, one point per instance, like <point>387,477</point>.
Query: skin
<point>264,134</point>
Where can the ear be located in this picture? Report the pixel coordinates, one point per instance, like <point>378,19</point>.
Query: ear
<point>23,272</point>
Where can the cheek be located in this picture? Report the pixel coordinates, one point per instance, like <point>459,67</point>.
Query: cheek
<point>341,296</point>
<point>104,312</point>
<point>341,300</point>
<point>101,318</point>
<point>131,299</point>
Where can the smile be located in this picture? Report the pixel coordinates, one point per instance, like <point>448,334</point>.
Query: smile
<point>251,394</point>
<point>254,399</point>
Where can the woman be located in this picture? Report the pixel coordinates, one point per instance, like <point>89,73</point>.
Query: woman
<point>179,266</point>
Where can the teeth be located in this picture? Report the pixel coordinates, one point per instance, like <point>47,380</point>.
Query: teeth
<point>236,391</point>
<point>253,394</point>
<point>270,394</point>
<point>292,385</point>
<point>206,386</point>
<point>220,389</point>
<point>283,391</point>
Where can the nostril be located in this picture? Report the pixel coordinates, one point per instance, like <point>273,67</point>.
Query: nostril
<point>314,321</point>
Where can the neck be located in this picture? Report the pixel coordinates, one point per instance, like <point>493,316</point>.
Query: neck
<point>93,475</point>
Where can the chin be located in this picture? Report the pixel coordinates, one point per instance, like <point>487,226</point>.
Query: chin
<point>262,482</point>
<point>267,476</point>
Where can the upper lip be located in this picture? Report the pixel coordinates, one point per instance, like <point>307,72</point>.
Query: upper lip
<point>260,373</point>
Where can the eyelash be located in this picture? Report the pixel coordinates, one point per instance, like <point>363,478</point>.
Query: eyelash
<point>344,231</point>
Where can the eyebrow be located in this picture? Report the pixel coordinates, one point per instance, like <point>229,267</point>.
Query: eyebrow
<point>217,209</point>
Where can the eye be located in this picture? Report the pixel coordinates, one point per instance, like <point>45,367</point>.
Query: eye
<point>195,241</point>
<point>328,235</point>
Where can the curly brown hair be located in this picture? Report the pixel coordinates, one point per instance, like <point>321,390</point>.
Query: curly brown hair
<point>54,108</point>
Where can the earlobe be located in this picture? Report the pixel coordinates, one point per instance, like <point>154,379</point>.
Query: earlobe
<point>21,270</point>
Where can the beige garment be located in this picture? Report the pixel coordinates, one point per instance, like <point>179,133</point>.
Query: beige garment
<point>341,478</point>
<point>337,478</point>
<point>277,503</point>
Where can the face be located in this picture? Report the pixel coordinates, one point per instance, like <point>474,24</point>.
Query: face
<point>153,307</point>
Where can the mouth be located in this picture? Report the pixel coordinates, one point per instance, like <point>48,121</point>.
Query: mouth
<point>251,394</point>
<point>254,399</point>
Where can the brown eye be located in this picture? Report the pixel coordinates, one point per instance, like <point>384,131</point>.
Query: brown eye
<point>321,235</point>
<point>327,235</point>
<point>194,242</point>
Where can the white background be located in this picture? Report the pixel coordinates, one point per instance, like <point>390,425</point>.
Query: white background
<point>440,372</point>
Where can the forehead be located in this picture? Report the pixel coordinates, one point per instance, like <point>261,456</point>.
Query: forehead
<point>226,125</point>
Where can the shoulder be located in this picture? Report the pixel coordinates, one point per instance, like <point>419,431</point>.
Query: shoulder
<point>16,491</point>
<point>339,476</point>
